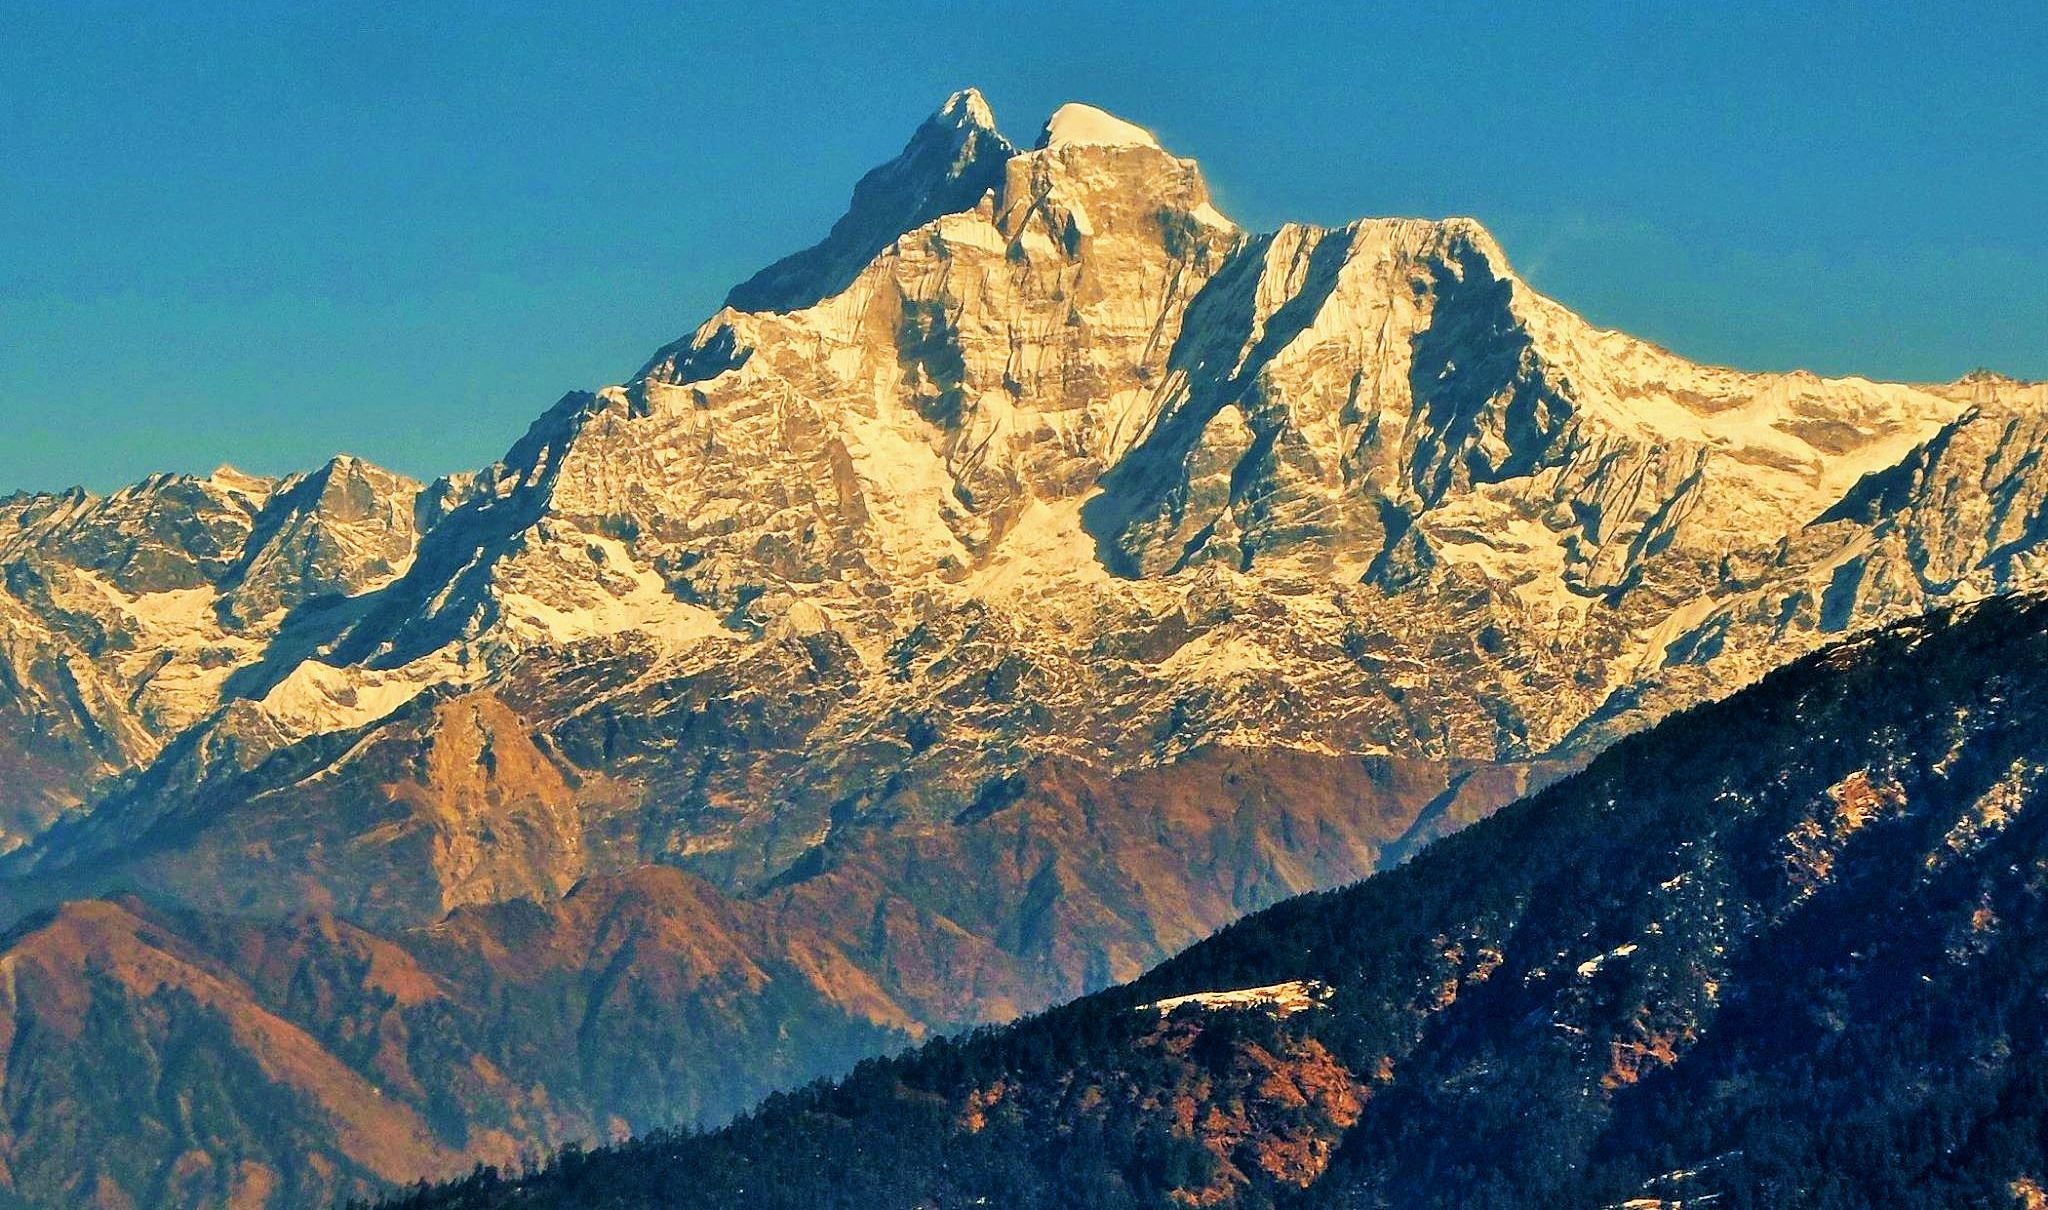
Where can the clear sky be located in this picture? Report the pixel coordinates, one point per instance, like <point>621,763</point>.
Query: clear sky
<point>264,233</point>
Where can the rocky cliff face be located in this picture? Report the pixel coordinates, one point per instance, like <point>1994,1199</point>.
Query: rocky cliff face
<point>1036,471</point>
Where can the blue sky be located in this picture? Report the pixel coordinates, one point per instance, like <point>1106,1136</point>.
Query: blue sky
<point>266,233</point>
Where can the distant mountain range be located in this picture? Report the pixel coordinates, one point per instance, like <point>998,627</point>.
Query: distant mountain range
<point>1034,576</point>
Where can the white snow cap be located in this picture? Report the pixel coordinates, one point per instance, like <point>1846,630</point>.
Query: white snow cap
<point>969,103</point>
<point>1078,125</point>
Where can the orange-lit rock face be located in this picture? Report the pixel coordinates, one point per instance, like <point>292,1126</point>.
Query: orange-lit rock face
<point>1811,846</point>
<point>1642,1051</point>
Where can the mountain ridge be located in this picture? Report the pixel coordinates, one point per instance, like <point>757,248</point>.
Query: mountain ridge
<point>1068,530</point>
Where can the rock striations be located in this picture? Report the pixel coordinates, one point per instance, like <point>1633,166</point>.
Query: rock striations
<point>1032,576</point>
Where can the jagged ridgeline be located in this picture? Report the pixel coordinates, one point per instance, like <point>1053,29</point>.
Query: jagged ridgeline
<point>1036,575</point>
<point>1781,951</point>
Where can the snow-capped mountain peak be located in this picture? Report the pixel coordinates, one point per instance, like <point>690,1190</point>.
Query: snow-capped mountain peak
<point>1046,422</point>
<point>951,160</point>
<point>1037,533</point>
<point>970,107</point>
<point>1077,125</point>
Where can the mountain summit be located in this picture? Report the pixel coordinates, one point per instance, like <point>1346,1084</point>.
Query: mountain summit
<point>951,160</point>
<point>1031,577</point>
<point>1078,125</point>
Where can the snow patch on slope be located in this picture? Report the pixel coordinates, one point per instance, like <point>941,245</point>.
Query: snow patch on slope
<point>1280,999</point>
<point>316,698</point>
